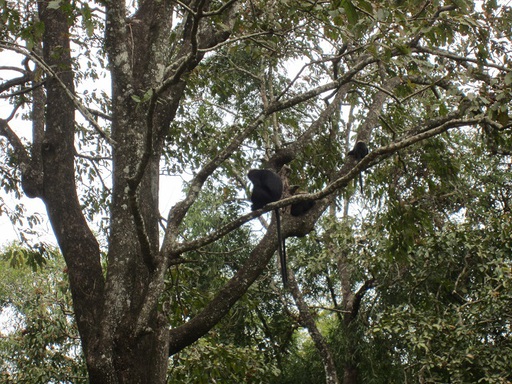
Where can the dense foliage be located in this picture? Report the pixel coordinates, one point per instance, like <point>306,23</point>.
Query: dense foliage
<point>39,342</point>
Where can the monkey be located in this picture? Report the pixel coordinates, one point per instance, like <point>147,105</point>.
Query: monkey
<point>359,151</point>
<point>300,208</point>
<point>267,188</point>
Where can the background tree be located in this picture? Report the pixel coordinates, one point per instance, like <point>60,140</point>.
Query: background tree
<point>39,341</point>
<point>208,89</point>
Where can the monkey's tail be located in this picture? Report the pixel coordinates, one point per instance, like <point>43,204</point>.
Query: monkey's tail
<point>361,182</point>
<point>282,250</point>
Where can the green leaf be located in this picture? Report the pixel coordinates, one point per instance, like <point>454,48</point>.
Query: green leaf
<point>508,78</point>
<point>55,4</point>
<point>443,109</point>
<point>350,11</point>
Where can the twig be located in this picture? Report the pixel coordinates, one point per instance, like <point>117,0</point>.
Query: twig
<point>83,110</point>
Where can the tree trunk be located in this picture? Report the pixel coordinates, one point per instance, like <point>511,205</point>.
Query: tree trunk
<point>117,325</point>
<point>77,243</point>
<point>307,320</point>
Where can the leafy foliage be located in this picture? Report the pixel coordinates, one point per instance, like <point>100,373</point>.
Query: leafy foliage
<point>39,340</point>
<point>407,281</point>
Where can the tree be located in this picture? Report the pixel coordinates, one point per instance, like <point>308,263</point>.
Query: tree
<point>40,343</point>
<point>201,87</point>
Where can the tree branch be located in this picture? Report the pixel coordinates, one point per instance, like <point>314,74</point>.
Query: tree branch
<point>347,76</point>
<point>288,153</point>
<point>178,212</point>
<point>16,143</point>
<point>451,56</point>
<point>307,321</point>
<point>227,296</point>
<point>14,82</point>
<point>196,37</point>
<point>47,69</point>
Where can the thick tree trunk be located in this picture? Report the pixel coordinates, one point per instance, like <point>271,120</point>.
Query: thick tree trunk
<point>129,273</point>
<point>133,242</point>
<point>76,241</point>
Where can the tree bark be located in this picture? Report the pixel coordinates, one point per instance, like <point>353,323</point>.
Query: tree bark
<point>77,243</point>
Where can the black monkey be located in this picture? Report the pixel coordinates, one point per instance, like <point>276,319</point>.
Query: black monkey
<point>300,208</point>
<point>267,188</point>
<point>359,151</point>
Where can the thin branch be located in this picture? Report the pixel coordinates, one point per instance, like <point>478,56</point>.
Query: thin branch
<point>13,82</point>
<point>244,71</point>
<point>22,91</point>
<point>415,40</point>
<point>186,7</point>
<point>236,39</point>
<point>429,86</point>
<point>308,322</point>
<point>417,15</point>
<point>383,90</point>
<point>13,112</point>
<point>443,53</point>
<point>221,9</point>
<point>330,309</point>
<point>347,76</point>
<point>15,69</point>
<point>297,76</point>
<point>92,158</point>
<point>83,110</point>
<point>97,113</point>
<point>15,141</point>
